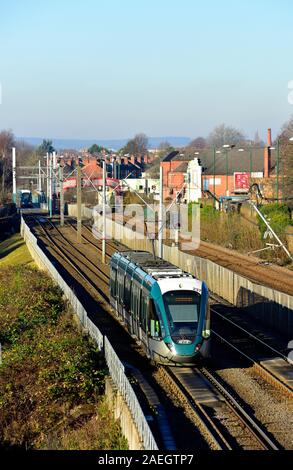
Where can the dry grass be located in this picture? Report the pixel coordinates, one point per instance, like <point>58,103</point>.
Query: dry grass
<point>238,232</point>
<point>13,251</point>
<point>230,231</point>
<point>99,433</point>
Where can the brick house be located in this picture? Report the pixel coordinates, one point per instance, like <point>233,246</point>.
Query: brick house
<point>227,172</point>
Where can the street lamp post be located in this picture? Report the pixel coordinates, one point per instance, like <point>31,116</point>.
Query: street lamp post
<point>250,161</point>
<point>14,174</point>
<point>214,155</point>
<point>277,170</point>
<point>226,147</point>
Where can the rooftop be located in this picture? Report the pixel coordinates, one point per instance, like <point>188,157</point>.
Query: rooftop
<point>235,160</point>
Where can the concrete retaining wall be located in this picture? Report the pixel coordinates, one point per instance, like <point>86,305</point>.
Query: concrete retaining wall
<point>121,412</point>
<point>267,305</point>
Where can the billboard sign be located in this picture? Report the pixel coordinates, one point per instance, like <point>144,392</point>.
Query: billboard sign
<point>241,182</point>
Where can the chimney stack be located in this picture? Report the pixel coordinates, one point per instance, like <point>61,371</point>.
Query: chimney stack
<point>269,137</point>
<point>267,155</point>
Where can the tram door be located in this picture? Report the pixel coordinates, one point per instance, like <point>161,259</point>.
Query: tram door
<point>143,313</point>
<point>135,305</point>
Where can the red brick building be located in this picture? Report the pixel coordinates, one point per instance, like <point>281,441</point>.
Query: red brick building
<point>225,172</point>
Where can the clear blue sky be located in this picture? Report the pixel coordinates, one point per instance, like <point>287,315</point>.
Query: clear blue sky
<point>112,68</point>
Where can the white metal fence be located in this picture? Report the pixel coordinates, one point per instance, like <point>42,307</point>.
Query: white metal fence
<point>114,364</point>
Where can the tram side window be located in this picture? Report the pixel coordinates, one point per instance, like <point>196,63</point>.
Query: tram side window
<point>135,299</point>
<point>154,326</point>
<point>143,311</point>
<point>127,292</point>
<point>113,277</point>
<point>132,294</point>
<point>120,278</point>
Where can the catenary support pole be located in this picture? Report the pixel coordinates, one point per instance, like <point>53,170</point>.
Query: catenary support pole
<point>104,214</point>
<point>48,179</point>
<point>14,174</point>
<point>160,224</point>
<point>40,177</point>
<point>61,193</point>
<point>50,186</point>
<point>214,171</point>
<point>54,188</point>
<point>277,170</point>
<point>78,200</point>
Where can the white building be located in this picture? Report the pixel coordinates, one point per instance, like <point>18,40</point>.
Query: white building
<point>194,181</point>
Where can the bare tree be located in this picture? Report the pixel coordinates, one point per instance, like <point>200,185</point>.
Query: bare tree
<point>286,160</point>
<point>136,146</point>
<point>26,154</point>
<point>287,129</point>
<point>225,135</point>
<point>165,146</point>
<point>7,141</point>
<point>198,143</point>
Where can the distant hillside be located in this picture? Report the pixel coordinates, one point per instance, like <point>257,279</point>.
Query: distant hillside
<point>116,144</point>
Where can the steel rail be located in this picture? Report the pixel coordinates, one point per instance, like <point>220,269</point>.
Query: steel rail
<point>251,335</point>
<point>262,437</point>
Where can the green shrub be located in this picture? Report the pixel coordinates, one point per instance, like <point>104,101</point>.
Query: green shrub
<point>27,298</point>
<point>209,212</point>
<point>51,377</point>
<point>277,215</point>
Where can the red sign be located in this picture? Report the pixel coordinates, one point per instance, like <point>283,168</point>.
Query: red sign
<point>241,181</point>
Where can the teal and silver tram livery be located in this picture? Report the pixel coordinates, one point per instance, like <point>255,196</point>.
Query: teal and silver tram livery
<point>163,307</point>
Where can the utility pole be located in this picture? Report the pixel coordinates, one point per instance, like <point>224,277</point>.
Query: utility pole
<point>48,182</point>
<point>50,186</point>
<point>104,215</point>
<point>227,171</point>
<point>160,224</point>
<point>78,200</point>
<point>250,161</point>
<point>214,169</point>
<point>54,161</point>
<point>40,178</point>
<point>61,193</point>
<point>14,174</point>
<point>277,170</point>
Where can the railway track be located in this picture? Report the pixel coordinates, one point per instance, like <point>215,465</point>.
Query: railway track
<point>220,414</point>
<point>250,267</point>
<point>206,416</point>
<point>254,355</point>
<point>152,398</point>
<point>89,274</point>
<point>247,350</point>
<point>271,364</point>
